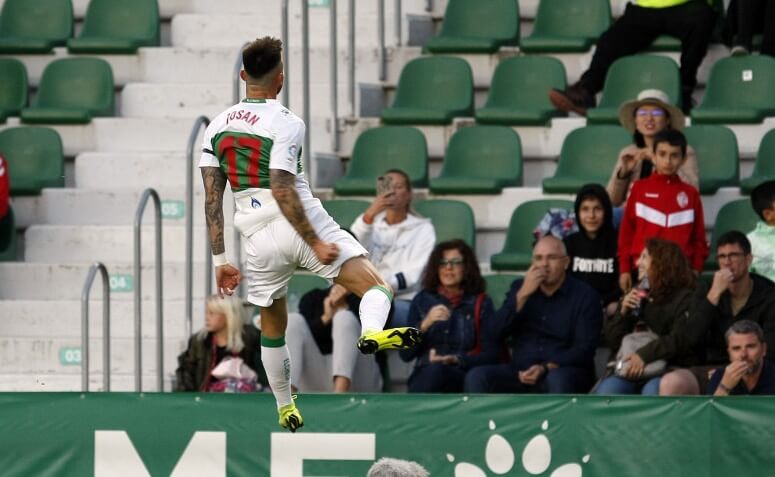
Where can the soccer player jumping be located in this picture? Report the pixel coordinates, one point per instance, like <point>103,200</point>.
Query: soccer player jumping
<point>256,145</point>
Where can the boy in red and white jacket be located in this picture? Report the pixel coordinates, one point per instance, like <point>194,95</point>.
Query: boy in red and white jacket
<point>663,206</point>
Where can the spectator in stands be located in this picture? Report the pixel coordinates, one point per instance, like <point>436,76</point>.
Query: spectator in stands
<point>667,304</point>
<point>645,117</point>
<point>553,321</point>
<point>450,312</point>
<point>389,467</point>
<point>762,238</point>
<point>748,371</point>
<point>322,348</point>
<point>592,250</point>
<point>643,21</point>
<point>4,188</point>
<point>746,17</point>
<point>663,206</point>
<point>224,337</point>
<point>734,295</point>
<point>399,241</point>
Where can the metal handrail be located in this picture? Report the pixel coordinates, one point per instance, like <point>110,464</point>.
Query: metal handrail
<point>351,35</point>
<point>307,151</point>
<point>237,236</point>
<point>287,48</point>
<point>334,80</point>
<point>198,123</point>
<point>138,292</point>
<point>381,37</point>
<point>105,326</point>
<point>398,22</point>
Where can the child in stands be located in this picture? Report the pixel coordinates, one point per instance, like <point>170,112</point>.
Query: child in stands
<point>663,206</point>
<point>762,237</point>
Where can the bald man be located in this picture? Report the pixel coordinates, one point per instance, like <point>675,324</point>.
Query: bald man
<point>554,323</point>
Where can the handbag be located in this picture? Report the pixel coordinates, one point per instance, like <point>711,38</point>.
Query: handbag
<point>232,375</point>
<point>632,343</point>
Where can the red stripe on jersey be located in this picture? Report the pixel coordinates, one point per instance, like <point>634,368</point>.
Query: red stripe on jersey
<point>226,148</point>
<point>254,144</point>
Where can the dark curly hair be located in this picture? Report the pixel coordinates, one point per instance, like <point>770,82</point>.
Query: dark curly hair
<point>473,283</point>
<point>669,270</point>
<point>262,56</point>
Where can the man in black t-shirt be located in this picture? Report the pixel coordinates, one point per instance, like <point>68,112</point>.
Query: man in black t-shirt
<point>748,371</point>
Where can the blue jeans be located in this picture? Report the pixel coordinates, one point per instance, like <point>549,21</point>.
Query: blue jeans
<point>501,378</point>
<point>617,385</point>
<point>436,378</point>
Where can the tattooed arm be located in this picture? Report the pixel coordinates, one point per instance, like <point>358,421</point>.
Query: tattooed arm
<point>226,275</point>
<point>283,185</point>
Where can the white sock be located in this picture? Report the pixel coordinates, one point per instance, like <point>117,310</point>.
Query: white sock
<point>374,309</point>
<point>277,364</point>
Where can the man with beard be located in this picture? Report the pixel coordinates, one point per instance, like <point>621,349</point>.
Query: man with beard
<point>748,371</point>
<point>734,295</point>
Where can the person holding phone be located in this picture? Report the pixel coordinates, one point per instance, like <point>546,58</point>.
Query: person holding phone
<point>398,240</point>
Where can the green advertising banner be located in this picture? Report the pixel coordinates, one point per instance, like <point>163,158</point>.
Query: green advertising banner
<point>117,434</point>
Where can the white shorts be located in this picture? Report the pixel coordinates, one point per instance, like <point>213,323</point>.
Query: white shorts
<point>276,250</point>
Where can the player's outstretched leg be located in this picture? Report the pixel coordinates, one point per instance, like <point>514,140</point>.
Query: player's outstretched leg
<point>277,363</point>
<point>360,277</point>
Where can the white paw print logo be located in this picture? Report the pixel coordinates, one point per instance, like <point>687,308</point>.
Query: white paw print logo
<point>536,458</point>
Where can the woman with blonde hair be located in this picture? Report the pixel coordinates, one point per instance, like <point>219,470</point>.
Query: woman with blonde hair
<point>225,335</point>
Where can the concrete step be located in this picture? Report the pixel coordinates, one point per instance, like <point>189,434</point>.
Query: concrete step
<point>71,382</point>
<point>45,355</point>
<point>60,280</point>
<point>112,206</point>
<point>62,318</point>
<point>160,170</point>
<point>110,244</point>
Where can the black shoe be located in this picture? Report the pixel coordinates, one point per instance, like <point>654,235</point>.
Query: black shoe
<point>574,98</point>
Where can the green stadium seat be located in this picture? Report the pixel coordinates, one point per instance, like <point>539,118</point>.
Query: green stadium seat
<point>379,149</point>
<point>34,26</point>
<point>588,155</point>
<point>480,160</point>
<point>432,90</point>
<point>452,219</point>
<point>716,149</point>
<point>8,237</point>
<point>735,215</point>
<point>118,27</point>
<point>517,253</point>
<point>764,167</point>
<point>345,211</point>
<point>498,286</point>
<point>665,43</point>
<point>477,27</point>
<point>13,94</point>
<point>630,75</point>
<point>72,91</point>
<point>35,159</point>
<point>563,26</point>
<point>739,90</point>
<point>518,92</point>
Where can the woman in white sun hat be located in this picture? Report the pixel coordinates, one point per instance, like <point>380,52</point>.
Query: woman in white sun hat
<point>645,117</point>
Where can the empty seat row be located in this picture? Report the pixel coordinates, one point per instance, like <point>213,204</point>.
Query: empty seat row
<point>436,89</point>
<point>110,26</point>
<point>71,91</point>
<point>485,159</point>
<point>560,26</point>
<point>484,27</point>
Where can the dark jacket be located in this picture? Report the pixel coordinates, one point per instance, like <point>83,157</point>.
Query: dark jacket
<point>195,363</point>
<point>458,335</point>
<point>665,318</point>
<point>707,323</point>
<point>563,328</point>
<point>311,308</point>
<point>594,260</point>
